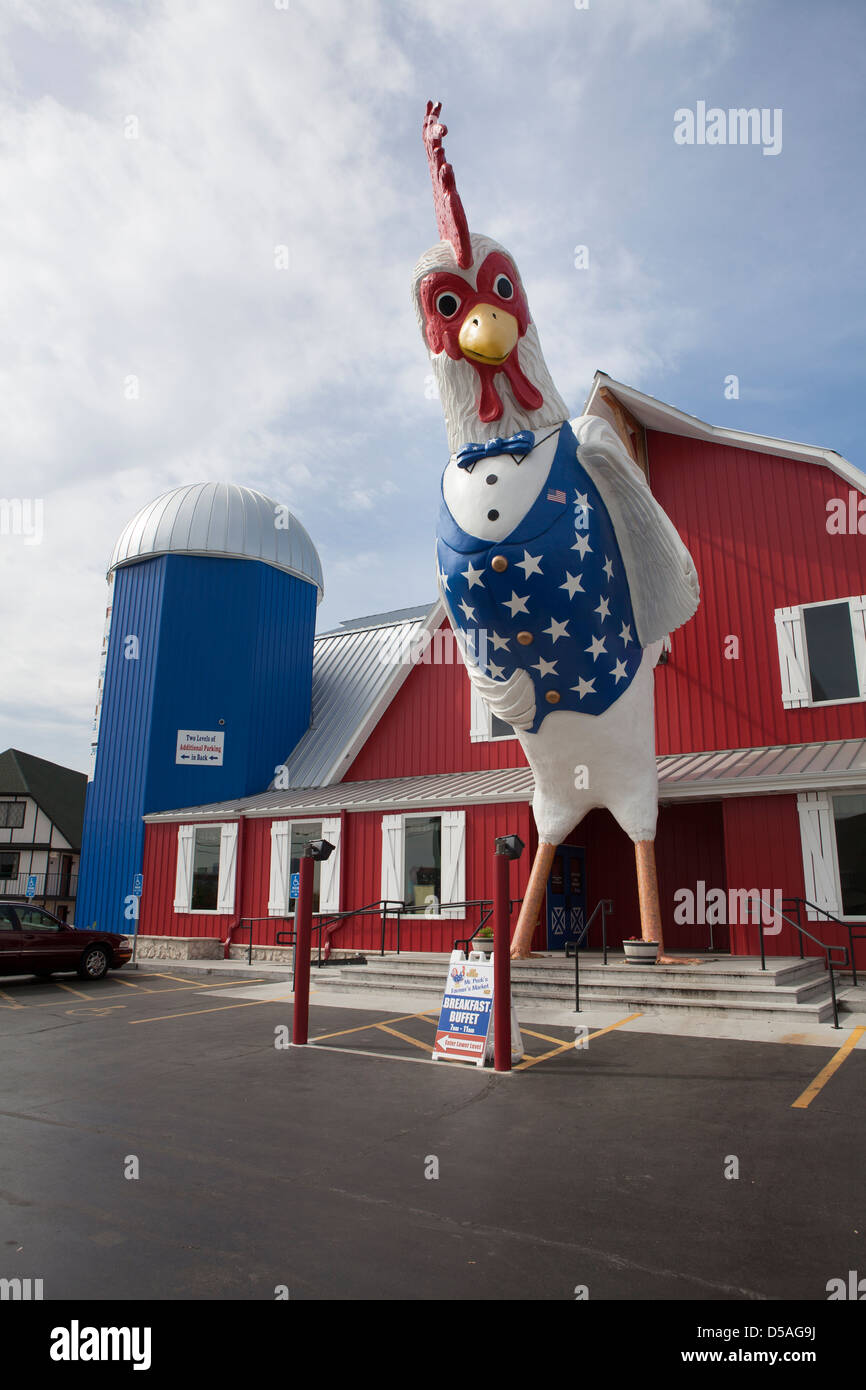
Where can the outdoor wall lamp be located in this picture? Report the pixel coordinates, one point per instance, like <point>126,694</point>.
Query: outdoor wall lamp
<point>511,846</point>
<point>319,849</point>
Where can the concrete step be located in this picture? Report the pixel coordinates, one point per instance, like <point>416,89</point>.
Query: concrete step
<point>792,992</point>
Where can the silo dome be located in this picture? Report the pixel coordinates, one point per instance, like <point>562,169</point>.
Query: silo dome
<point>220,519</point>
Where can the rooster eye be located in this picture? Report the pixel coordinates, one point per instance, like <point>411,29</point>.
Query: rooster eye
<point>504,287</point>
<point>447,304</point>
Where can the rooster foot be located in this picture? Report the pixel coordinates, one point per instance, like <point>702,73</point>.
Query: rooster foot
<point>679,960</point>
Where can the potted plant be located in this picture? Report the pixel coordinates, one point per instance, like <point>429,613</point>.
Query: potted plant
<point>640,951</point>
<point>483,941</point>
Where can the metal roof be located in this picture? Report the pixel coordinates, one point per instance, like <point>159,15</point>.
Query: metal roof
<point>656,415</point>
<point>220,519</point>
<point>682,777</point>
<point>357,670</point>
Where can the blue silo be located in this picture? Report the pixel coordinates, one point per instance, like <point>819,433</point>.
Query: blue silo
<point>208,672</point>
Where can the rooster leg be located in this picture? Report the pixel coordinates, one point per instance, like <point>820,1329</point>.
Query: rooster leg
<point>650,911</point>
<point>525,929</point>
<point>648,892</point>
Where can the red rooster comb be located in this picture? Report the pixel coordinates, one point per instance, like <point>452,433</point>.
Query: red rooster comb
<point>450,217</point>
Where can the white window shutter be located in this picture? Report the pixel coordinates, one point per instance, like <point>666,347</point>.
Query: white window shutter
<point>392,858</point>
<point>790,634</point>
<point>228,867</point>
<point>183,881</point>
<point>329,882</point>
<point>278,896</point>
<point>820,863</point>
<point>858,633</point>
<point>479,726</point>
<point>453,874</point>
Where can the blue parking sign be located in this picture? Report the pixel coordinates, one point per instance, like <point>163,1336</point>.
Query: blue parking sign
<point>294,885</point>
<point>138,885</point>
<point>31,886</point>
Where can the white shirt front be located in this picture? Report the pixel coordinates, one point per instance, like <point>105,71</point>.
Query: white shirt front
<point>492,498</point>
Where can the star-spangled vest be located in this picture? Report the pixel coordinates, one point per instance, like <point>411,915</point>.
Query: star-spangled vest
<point>559,607</point>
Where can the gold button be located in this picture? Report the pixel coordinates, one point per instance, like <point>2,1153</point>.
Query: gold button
<point>499,563</point>
<point>552,697</point>
<point>524,638</point>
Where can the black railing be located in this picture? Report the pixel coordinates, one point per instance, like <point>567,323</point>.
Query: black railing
<point>829,964</point>
<point>465,942</point>
<point>831,917</point>
<point>54,885</point>
<point>605,906</point>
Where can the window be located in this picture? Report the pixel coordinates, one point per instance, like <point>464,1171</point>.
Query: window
<point>830,652</point>
<point>288,839</point>
<point>849,816</point>
<point>424,861</point>
<point>833,838</point>
<point>206,866</point>
<point>12,814</point>
<point>486,727</point>
<point>8,865</point>
<point>8,921</point>
<point>32,919</point>
<point>822,652</point>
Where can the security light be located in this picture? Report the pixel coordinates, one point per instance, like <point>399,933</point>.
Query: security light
<point>319,849</point>
<point>509,845</point>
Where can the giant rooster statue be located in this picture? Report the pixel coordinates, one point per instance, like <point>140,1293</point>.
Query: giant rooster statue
<point>561,573</point>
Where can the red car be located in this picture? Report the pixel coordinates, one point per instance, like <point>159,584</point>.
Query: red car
<point>34,942</point>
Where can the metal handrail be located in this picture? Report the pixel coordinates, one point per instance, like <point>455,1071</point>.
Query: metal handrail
<point>831,917</point>
<point>465,942</point>
<point>606,906</point>
<point>829,963</point>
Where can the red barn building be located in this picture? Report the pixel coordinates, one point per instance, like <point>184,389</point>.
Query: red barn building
<point>761,741</point>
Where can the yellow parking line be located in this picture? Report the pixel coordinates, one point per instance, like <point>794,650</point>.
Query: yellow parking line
<point>13,1003</point>
<point>825,1073</point>
<point>416,1042</point>
<point>566,1047</point>
<point>545,1037</point>
<point>129,984</point>
<point>221,1008</point>
<point>533,1061</point>
<point>78,992</point>
<point>363,1027</point>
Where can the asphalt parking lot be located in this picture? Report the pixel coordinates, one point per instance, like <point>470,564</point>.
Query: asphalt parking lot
<point>358,1169</point>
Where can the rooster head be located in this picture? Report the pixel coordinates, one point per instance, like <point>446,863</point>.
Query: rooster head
<point>474,315</point>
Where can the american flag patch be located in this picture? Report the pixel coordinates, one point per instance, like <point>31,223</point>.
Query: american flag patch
<point>556,496</point>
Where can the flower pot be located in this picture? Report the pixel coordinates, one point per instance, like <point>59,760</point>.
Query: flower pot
<point>641,952</point>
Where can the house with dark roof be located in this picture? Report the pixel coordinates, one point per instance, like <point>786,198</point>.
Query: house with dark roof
<point>41,819</point>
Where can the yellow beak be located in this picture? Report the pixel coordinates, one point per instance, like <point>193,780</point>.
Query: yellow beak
<point>488,334</point>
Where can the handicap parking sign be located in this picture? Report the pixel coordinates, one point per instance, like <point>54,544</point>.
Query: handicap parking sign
<point>294,885</point>
<point>31,886</point>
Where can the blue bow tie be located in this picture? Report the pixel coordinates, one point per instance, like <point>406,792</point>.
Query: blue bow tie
<point>471,454</point>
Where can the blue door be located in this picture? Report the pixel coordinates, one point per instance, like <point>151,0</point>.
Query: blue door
<point>566,897</point>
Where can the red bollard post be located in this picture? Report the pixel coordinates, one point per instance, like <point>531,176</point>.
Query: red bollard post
<point>501,960</point>
<point>303,937</point>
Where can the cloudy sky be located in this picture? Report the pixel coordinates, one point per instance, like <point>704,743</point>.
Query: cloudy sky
<point>154,155</point>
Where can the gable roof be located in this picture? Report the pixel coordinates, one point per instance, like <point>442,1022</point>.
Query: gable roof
<point>656,415</point>
<point>357,670</point>
<point>58,791</point>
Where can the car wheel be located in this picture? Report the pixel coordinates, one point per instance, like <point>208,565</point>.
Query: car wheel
<point>94,963</point>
